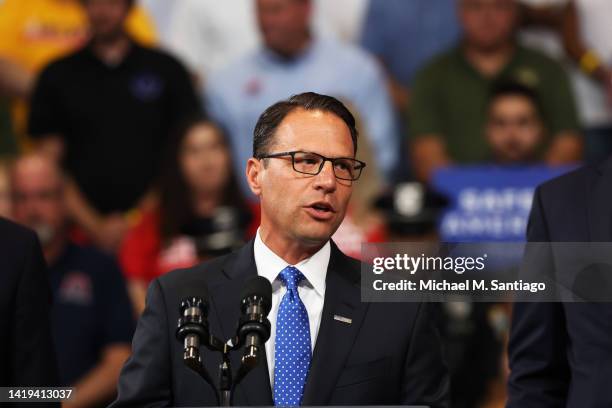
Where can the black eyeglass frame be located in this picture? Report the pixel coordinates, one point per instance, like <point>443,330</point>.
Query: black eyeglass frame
<point>359,164</point>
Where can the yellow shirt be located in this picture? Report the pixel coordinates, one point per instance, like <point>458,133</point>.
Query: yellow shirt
<point>35,32</point>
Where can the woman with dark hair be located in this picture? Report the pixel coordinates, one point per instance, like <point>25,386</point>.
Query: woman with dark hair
<point>200,213</point>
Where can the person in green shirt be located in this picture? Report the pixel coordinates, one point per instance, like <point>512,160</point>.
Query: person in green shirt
<point>448,110</point>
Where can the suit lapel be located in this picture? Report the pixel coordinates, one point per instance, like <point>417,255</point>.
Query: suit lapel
<point>225,294</point>
<point>335,338</point>
<point>600,204</point>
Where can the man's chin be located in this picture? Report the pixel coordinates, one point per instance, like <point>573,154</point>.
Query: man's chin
<point>317,235</point>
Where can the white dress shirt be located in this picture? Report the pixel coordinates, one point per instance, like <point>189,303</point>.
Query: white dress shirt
<point>311,290</point>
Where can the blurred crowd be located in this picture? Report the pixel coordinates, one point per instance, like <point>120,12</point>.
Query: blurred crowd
<point>125,127</point>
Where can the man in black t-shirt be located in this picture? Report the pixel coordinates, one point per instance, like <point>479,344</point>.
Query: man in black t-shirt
<point>107,111</point>
<point>91,317</point>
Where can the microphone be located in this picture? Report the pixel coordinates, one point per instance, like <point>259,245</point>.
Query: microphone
<point>192,328</point>
<point>254,326</point>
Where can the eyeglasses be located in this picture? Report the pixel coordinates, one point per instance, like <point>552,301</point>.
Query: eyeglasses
<point>312,163</point>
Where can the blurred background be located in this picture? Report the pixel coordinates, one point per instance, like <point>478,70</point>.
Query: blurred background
<point>125,126</point>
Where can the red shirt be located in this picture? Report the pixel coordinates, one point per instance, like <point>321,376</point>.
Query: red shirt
<point>142,256</point>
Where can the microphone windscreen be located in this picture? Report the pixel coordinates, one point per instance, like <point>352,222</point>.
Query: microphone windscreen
<point>260,287</point>
<point>194,288</point>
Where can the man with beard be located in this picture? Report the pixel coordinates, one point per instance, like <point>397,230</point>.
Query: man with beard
<point>91,319</point>
<point>515,131</point>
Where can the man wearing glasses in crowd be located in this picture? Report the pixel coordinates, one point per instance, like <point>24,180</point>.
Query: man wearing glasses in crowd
<point>326,346</point>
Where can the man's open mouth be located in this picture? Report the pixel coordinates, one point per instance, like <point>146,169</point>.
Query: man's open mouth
<point>322,206</point>
<point>321,210</point>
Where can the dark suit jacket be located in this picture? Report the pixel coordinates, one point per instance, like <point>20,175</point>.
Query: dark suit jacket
<point>389,354</point>
<point>26,350</point>
<point>561,353</point>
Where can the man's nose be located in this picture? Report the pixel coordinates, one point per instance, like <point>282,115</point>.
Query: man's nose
<point>326,179</point>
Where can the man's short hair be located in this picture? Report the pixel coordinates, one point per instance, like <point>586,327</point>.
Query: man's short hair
<point>271,118</point>
<point>512,88</point>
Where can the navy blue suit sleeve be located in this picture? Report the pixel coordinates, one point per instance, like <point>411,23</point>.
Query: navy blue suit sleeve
<point>145,378</point>
<point>33,358</point>
<point>537,349</point>
<point>426,378</point>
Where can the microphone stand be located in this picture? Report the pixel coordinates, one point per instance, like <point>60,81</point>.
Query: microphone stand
<point>225,391</point>
<point>188,324</point>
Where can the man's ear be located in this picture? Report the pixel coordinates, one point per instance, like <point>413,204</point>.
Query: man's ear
<point>254,170</point>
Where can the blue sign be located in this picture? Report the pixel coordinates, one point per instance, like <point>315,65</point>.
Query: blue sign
<point>489,203</point>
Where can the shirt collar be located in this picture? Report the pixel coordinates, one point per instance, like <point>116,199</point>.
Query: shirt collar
<point>269,265</point>
<point>133,49</point>
<point>516,57</point>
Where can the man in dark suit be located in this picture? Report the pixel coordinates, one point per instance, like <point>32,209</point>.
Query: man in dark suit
<point>561,353</point>
<point>326,347</point>
<point>27,358</point>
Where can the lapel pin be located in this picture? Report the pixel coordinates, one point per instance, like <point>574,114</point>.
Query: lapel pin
<point>343,319</point>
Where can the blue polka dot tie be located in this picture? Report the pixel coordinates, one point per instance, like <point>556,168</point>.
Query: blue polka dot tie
<point>292,350</point>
